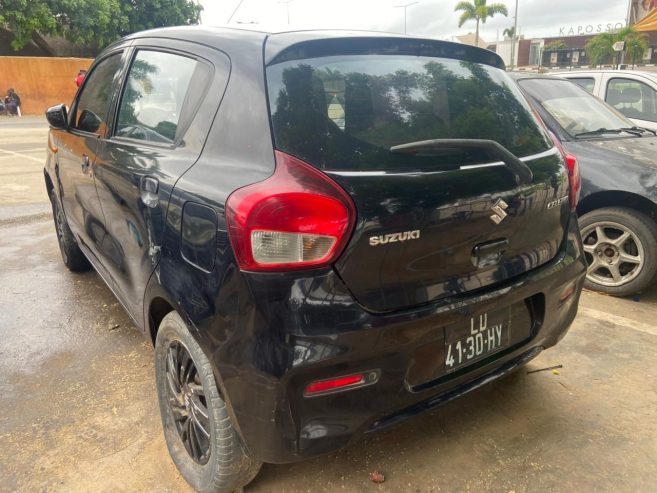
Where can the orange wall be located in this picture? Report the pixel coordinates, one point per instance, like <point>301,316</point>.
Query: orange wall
<point>40,81</point>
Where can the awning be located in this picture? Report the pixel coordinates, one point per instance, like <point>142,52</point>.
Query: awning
<point>648,23</point>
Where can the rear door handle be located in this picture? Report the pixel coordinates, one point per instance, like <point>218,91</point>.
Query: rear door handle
<point>85,163</point>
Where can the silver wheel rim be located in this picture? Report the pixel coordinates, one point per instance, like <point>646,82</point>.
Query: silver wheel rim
<point>614,253</point>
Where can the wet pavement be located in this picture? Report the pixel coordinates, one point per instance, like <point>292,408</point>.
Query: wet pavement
<point>78,410</point>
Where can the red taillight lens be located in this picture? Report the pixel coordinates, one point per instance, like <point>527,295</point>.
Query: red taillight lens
<point>296,218</point>
<point>574,178</point>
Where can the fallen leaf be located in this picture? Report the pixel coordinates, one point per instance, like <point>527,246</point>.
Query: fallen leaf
<point>555,372</point>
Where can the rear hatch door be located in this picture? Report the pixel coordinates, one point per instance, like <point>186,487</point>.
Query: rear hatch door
<point>456,185</point>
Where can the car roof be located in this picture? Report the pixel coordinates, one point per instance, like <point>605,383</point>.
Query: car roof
<point>279,40</point>
<point>532,75</point>
<point>588,73</point>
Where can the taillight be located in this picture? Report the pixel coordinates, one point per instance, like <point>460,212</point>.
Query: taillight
<point>297,218</point>
<point>574,178</point>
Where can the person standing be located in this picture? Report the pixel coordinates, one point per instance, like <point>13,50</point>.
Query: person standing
<point>80,78</point>
<point>13,102</point>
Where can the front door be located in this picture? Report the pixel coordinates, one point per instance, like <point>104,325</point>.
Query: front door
<point>635,99</point>
<point>76,150</point>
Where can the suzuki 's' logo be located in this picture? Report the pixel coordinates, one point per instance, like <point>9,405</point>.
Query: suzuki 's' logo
<point>499,209</point>
<point>395,237</point>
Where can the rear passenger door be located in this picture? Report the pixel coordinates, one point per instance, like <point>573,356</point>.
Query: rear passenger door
<point>635,99</point>
<point>161,119</point>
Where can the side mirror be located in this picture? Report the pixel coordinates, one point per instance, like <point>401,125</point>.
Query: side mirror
<point>57,116</point>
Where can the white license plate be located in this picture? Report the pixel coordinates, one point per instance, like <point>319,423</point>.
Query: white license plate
<point>486,334</point>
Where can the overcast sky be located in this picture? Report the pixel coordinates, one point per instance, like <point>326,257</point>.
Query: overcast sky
<point>434,18</point>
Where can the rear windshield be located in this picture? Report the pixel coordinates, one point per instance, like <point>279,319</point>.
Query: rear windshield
<point>345,112</point>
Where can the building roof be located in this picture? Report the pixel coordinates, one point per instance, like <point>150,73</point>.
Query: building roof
<point>469,39</point>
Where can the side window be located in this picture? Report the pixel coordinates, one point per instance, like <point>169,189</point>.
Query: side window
<point>157,95</point>
<point>92,105</point>
<point>632,98</point>
<point>587,83</point>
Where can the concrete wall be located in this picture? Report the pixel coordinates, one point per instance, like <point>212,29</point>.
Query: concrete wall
<point>39,81</point>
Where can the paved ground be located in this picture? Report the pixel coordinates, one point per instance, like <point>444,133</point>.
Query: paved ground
<point>78,409</point>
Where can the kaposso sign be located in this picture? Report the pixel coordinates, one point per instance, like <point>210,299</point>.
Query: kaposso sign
<point>590,29</point>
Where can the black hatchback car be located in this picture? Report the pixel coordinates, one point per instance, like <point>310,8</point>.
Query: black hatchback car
<point>323,233</point>
<point>618,161</point>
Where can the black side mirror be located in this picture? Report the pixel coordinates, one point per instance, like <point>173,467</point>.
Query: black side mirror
<point>57,116</point>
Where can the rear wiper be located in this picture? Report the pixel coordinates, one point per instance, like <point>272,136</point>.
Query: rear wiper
<point>520,170</point>
<point>630,130</point>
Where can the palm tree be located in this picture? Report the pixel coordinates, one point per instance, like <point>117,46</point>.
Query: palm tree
<point>509,32</point>
<point>478,10</point>
<point>635,46</point>
<point>600,47</point>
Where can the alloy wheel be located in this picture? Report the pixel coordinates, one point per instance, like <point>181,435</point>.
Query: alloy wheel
<point>614,253</point>
<point>187,402</point>
<point>60,226</point>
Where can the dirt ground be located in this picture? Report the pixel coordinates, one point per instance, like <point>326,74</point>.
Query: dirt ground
<point>78,410</point>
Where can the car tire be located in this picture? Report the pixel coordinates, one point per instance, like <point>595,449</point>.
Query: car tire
<point>623,243</point>
<point>72,256</point>
<point>215,462</point>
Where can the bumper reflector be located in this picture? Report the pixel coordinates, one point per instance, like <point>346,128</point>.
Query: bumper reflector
<point>338,384</point>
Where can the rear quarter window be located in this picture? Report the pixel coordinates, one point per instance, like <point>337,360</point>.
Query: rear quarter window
<point>345,112</point>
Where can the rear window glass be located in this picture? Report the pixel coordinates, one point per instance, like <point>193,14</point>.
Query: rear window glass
<point>345,112</point>
<point>584,82</point>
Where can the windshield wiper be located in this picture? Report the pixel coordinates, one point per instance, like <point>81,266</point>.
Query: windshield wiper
<point>640,129</point>
<point>630,130</point>
<point>520,170</point>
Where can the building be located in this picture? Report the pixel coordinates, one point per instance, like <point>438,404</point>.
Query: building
<point>546,52</point>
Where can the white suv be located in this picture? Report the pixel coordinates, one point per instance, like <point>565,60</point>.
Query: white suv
<point>632,93</point>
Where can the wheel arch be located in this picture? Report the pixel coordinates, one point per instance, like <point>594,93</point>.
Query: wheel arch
<point>49,184</point>
<point>617,198</point>
<point>158,308</point>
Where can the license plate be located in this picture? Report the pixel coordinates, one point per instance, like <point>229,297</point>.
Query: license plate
<point>483,335</point>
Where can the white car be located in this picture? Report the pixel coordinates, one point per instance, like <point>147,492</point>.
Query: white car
<point>633,93</point>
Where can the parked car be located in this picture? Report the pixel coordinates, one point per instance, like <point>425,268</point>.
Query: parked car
<point>633,93</point>
<point>324,234</point>
<point>618,161</point>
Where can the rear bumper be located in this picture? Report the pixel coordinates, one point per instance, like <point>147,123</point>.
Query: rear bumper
<point>312,329</point>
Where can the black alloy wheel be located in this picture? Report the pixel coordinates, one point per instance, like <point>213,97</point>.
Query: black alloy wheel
<point>187,403</point>
<point>72,256</point>
<point>199,431</point>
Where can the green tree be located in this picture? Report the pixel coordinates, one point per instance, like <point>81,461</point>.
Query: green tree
<point>635,45</point>
<point>509,32</point>
<point>94,23</point>
<point>556,45</point>
<point>149,14</point>
<point>600,48</point>
<point>478,11</point>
